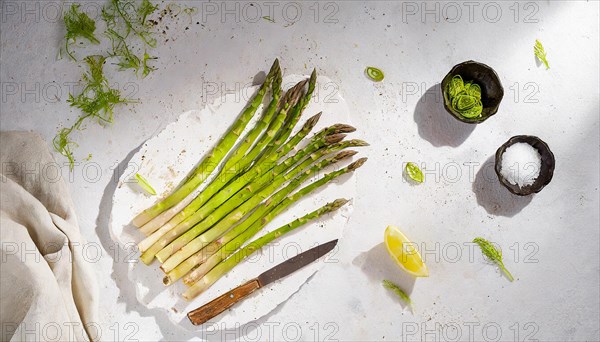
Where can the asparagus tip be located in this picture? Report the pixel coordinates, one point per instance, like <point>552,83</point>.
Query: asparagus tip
<point>292,95</point>
<point>342,128</point>
<point>296,92</point>
<point>334,138</point>
<point>338,203</point>
<point>301,84</point>
<point>357,164</point>
<point>345,154</point>
<point>311,86</point>
<point>275,64</point>
<point>312,121</point>
<point>313,78</point>
<point>273,72</point>
<point>357,143</point>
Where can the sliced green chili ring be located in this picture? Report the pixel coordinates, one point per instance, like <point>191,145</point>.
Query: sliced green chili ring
<point>465,98</point>
<point>374,74</point>
<point>464,102</point>
<point>475,90</point>
<point>473,112</point>
<point>455,86</point>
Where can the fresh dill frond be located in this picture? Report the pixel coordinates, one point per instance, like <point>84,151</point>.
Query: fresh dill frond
<point>398,291</point>
<point>122,19</point>
<point>132,17</point>
<point>128,60</point>
<point>493,254</point>
<point>120,50</point>
<point>540,53</point>
<point>78,25</point>
<point>97,97</point>
<point>96,101</point>
<point>64,145</point>
<point>126,22</point>
<point>146,8</point>
<point>146,69</point>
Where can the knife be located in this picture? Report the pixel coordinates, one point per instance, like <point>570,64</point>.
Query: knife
<point>216,306</point>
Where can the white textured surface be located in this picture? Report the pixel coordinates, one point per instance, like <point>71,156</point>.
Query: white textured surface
<point>555,295</point>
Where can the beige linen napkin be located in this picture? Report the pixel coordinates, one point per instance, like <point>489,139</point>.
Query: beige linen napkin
<point>48,289</point>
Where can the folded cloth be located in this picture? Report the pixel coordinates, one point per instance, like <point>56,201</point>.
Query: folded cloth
<point>48,289</point>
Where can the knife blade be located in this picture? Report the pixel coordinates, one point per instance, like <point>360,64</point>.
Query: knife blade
<point>218,305</point>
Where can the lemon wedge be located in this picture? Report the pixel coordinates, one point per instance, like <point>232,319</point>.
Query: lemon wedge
<point>404,252</point>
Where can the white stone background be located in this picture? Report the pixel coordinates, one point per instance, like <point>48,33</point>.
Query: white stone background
<point>550,240</point>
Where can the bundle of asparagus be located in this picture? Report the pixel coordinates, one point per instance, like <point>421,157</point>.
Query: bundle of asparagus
<point>194,233</point>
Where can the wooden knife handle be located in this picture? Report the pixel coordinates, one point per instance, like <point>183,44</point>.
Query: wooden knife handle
<point>216,306</point>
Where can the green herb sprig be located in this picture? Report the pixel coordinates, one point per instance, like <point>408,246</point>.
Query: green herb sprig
<point>540,53</point>
<point>144,184</point>
<point>78,25</point>
<point>132,17</point>
<point>96,101</point>
<point>493,254</point>
<point>127,59</point>
<point>398,291</point>
<point>124,18</point>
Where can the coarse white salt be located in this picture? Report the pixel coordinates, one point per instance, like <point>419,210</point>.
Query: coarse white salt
<point>521,164</point>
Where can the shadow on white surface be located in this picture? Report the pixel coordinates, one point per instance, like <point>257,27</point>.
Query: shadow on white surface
<point>377,265</point>
<point>492,196</point>
<point>121,266</point>
<point>435,124</point>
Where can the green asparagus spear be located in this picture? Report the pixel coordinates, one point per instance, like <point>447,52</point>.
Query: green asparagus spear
<point>258,184</point>
<point>206,281</point>
<point>191,242</point>
<point>281,137</point>
<point>321,139</point>
<point>235,160</point>
<point>177,260</point>
<point>197,244</point>
<point>296,114</point>
<point>214,157</point>
<point>279,125</point>
<point>190,208</point>
<point>222,267</point>
<point>191,215</point>
<point>184,226</point>
<point>267,177</point>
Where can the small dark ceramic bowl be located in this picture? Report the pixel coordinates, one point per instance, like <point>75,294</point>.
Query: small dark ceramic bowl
<point>491,89</point>
<point>546,169</point>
